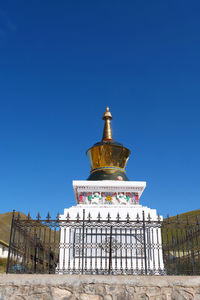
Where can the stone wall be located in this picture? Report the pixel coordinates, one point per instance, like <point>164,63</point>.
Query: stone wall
<point>87,287</point>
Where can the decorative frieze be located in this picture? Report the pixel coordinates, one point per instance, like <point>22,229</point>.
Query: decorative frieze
<point>108,192</point>
<point>105,198</point>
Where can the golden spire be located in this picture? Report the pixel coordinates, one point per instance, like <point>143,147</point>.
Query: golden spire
<point>107,132</point>
<point>108,159</point>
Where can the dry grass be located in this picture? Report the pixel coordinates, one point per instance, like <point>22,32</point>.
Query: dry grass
<point>3,262</point>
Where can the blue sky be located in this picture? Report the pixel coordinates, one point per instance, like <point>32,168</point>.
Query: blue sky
<point>63,62</point>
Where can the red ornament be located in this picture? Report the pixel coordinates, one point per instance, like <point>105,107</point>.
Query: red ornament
<point>81,198</point>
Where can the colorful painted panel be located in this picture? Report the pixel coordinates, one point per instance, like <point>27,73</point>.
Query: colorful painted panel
<point>108,198</point>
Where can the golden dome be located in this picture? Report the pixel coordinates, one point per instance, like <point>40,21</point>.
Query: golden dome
<point>108,158</point>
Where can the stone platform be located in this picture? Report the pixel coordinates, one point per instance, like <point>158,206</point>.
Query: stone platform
<point>87,287</point>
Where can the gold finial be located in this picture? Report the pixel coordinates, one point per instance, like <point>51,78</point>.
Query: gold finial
<point>107,132</point>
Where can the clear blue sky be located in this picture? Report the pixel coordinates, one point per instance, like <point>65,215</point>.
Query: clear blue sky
<point>61,64</point>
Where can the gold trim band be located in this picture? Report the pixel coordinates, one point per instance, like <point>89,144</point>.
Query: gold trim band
<point>107,168</point>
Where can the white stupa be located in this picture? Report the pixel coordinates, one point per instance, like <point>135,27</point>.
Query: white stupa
<point>108,231</point>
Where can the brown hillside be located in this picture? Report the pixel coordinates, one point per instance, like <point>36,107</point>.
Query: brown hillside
<point>190,215</point>
<point>5,225</point>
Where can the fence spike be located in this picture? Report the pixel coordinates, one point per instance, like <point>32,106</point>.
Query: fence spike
<point>18,216</point>
<point>138,218</point>
<point>68,216</point>
<point>99,217</point>
<point>48,216</point>
<point>128,217</point>
<point>149,218</point>
<point>159,218</point>
<point>178,219</point>
<point>89,217</point>
<point>29,216</point>
<point>13,214</point>
<point>38,216</point>
<point>108,217</point>
<point>77,217</point>
<point>58,216</point>
<point>197,220</point>
<point>188,220</point>
<point>118,217</point>
<point>168,218</point>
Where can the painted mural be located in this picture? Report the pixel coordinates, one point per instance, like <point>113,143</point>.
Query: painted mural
<point>108,198</point>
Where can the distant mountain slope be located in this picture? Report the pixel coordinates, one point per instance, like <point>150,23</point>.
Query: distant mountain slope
<point>191,215</point>
<point>5,225</point>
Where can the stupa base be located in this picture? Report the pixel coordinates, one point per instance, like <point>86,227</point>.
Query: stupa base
<point>110,239</point>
